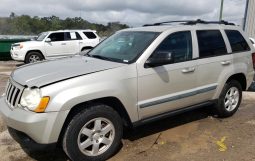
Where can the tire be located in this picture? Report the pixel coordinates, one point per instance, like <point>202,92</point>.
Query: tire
<point>230,99</point>
<point>33,57</point>
<point>85,121</point>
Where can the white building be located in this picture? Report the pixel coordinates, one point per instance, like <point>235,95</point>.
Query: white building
<point>250,18</point>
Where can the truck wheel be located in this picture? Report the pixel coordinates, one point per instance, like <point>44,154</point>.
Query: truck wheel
<point>32,57</point>
<point>93,134</point>
<point>230,99</point>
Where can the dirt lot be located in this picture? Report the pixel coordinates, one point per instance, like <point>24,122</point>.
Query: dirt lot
<point>196,135</point>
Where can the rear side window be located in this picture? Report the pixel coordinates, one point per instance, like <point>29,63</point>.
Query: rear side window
<point>211,43</point>
<point>59,36</point>
<point>237,42</point>
<point>179,44</point>
<point>90,35</point>
<point>73,36</point>
<point>78,36</point>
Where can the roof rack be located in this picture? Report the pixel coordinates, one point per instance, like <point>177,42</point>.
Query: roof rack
<point>191,22</point>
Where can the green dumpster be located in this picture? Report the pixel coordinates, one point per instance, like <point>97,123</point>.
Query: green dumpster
<point>5,47</point>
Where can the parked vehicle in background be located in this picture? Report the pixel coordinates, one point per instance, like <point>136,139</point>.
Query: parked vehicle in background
<point>252,41</point>
<point>136,76</point>
<point>54,44</point>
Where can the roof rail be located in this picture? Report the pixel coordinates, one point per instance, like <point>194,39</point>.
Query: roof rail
<point>161,23</point>
<point>191,22</point>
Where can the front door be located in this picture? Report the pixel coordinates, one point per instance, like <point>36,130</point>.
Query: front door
<point>172,86</point>
<point>57,46</point>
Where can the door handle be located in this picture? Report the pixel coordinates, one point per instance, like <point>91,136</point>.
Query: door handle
<point>188,70</point>
<point>226,62</point>
<point>63,43</point>
<point>80,42</point>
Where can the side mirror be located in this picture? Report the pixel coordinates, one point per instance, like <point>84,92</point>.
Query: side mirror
<point>47,40</point>
<point>159,58</point>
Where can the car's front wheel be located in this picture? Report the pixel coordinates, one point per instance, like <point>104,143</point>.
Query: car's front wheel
<point>93,134</point>
<point>33,57</point>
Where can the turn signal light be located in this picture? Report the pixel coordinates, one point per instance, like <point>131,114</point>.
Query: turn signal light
<point>43,104</point>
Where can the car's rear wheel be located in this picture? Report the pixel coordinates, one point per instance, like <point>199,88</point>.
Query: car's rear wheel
<point>33,57</point>
<point>93,134</point>
<point>230,99</point>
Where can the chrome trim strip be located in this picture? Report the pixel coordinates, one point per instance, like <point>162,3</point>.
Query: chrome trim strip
<point>13,96</point>
<point>13,89</point>
<point>174,98</point>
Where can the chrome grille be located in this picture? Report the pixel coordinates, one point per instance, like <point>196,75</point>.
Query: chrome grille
<point>13,94</point>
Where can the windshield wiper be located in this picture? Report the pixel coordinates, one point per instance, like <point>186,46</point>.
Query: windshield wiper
<point>100,57</point>
<point>105,58</point>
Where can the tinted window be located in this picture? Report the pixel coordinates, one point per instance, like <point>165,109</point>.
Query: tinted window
<point>59,36</point>
<point>210,43</point>
<point>90,35</point>
<point>179,44</point>
<point>237,42</point>
<point>78,36</point>
<point>73,36</point>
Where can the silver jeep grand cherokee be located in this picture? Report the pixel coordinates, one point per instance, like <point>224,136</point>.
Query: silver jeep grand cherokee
<point>135,76</point>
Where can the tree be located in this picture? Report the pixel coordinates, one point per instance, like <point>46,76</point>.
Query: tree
<point>26,25</point>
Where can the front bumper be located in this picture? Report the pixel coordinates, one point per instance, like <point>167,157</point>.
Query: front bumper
<point>27,143</point>
<point>18,55</point>
<point>43,128</point>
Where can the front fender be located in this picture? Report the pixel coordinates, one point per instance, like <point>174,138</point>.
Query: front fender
<point>124,90</point>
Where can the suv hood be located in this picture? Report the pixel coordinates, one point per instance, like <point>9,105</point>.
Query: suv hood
<point>25,43</point>
<point>43,73</point>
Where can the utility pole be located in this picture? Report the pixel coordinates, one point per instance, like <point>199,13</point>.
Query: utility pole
<point>245,15</point>
<point>221,9</point>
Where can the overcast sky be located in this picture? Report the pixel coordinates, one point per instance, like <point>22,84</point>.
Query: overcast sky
<point>131,12</point>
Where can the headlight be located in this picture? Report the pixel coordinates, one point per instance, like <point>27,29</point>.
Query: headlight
<point>21,46</point>
<point>32,99</point>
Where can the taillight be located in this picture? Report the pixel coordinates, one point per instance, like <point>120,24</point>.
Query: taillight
<point>253,60</point>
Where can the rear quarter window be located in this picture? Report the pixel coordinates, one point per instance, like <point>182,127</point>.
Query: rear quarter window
<point>237,41</point>
<point>90,35</point>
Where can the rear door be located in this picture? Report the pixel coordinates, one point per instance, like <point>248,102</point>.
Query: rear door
<point>214,61</point>
<point>73,40</point>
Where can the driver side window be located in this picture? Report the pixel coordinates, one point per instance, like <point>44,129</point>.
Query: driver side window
<point>178,44</point>
<point>58,36</point>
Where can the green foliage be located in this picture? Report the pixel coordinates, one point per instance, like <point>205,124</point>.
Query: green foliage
<point>26,25</point>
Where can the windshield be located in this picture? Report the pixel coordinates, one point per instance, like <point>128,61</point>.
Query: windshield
<point>124,47</point>
<point>41,36</point>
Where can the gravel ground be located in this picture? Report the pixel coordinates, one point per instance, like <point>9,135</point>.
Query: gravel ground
<point>191,136</point>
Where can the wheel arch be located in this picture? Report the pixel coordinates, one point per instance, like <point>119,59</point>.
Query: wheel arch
<point>39,51</point>
<point>113,102</point>
<point>240,77</point>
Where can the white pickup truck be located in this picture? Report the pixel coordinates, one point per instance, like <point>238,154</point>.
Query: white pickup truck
<point>54,44</point>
